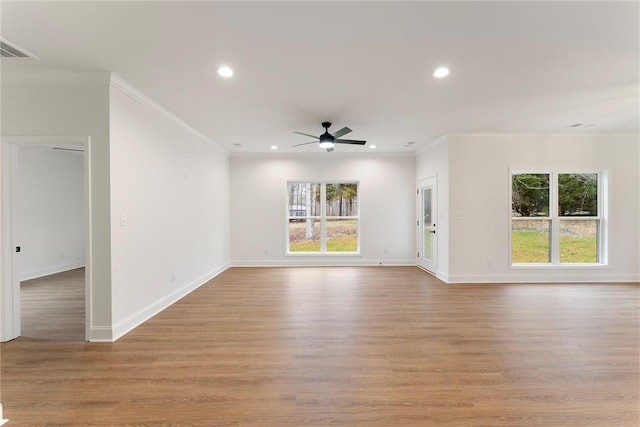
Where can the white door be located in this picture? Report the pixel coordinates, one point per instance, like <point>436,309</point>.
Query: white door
<point>427,230</point>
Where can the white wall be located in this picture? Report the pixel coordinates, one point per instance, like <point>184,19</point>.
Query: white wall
<point>433,161</point>
<point>48,210</point>
<point>169,209</point>
<point>259,207</point>
<point>480,205</point>
<point>75,105</point>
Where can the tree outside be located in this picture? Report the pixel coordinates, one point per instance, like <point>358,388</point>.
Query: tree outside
<point>341,210</point>
<point>531,234</point>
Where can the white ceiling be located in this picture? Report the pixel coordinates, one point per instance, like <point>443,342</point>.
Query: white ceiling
<point>515,66</point>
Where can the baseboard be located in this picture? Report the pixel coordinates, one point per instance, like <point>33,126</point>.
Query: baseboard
<point>438,274</point>
<point>442,276</point>
<point>145,314</point>
<point>34,274</point>
<point>2,420</point>
<point>556,277</point>
<point>101,334</point>
<point>300,261</point>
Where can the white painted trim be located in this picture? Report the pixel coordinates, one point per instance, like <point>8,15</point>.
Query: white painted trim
<point>145,314</point>
<point>2,419</point>
<point>10,288</point>
<point>443,276</point>
<point>88,240</point>
<point>52,77</point>
<point>323,262</point>
<point>439,275</point>
<point>101,334</point>
<point>51,270</point>
<point>585,277</point>
<point>511,135</point>
<point>557,277</point>
<point>133,93</point>
<point>307,154</point>
<point>431,144</point>
<point>10,321</point>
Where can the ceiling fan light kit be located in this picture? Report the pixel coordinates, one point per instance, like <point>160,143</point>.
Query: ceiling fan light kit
<point>327,140</point>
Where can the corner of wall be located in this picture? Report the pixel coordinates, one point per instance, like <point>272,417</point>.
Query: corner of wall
<point>101,334</point>
<point>151,310</point>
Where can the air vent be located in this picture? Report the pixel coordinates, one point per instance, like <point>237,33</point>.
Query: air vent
<point>9,50</point>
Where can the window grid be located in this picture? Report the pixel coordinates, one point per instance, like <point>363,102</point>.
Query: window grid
<point>555,220</point>
<point>348,201</point>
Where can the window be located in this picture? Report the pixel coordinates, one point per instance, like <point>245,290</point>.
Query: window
<point>322,217</point>
<point>556,218</point>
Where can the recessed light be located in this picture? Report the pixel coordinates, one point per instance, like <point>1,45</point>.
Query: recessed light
<point>411,142</point>
<point>372,147</point>
<point>441,72</point>
<point>274,147</point>
<point>225,71</point>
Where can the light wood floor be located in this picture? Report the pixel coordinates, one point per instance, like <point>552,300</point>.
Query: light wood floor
<point>380,346</point>
<point>52,307</point>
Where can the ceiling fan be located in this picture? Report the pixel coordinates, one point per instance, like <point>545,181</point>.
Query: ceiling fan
<point>328,140</point>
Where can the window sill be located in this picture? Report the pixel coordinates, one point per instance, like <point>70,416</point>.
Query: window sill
<point>557,266</point>
<point>324,254</point>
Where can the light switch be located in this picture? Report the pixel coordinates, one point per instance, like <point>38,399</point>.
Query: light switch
<point>123,220</point>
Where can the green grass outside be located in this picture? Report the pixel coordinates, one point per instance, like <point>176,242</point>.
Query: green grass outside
<point>341,237</point>
<point>305,246</point>
<point>533,247</point>
<point>578,249</point>
<point>335,244</point>
<point>428,245</point>
<point>526,247</point>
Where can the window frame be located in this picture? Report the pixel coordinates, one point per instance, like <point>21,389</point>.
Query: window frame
<point>323,218</point>
<point>554,220</point>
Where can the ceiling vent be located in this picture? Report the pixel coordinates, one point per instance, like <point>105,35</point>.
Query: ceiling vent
<point>9,50</point>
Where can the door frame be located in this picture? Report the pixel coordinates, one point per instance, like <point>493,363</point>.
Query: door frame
<point>430,266</point>
<point>9,281</point>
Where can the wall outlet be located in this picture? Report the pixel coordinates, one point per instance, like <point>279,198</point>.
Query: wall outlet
<point>173,277</point>
<point>266,251</point>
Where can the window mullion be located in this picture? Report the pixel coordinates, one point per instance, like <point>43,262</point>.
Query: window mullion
<point>555,221</point>
<point>323,218</point>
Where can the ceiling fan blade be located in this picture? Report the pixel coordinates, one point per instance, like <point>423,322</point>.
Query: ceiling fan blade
<point>329,150</point>
<point>349,141</point>
<point>305,143</point>
<point>345,130</point>
<point>306,134</point>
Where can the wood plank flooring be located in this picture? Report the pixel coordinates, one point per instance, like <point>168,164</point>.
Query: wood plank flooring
<point>379,346</point>
<point>52,307</point>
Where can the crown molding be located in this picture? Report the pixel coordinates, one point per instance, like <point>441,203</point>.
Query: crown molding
<point>51,77</point>
<point>320,154</point>
<point>127,89</point>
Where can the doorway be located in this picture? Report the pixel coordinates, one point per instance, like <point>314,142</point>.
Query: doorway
<point>427,239</point>
<point>52,307</point>
<point>37,255</point>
